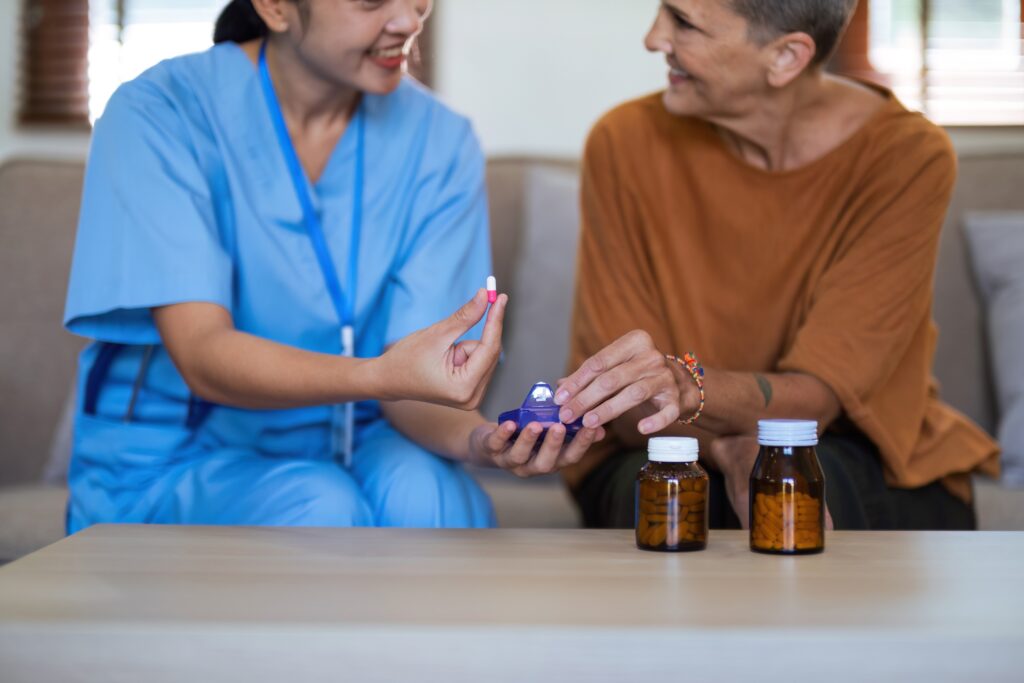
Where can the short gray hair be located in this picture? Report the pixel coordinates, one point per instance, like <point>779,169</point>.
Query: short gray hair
<point>822,20</point>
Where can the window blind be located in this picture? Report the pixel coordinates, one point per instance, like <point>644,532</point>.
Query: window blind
<point>53,86</point>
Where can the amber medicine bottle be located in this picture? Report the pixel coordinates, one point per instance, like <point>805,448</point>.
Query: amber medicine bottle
<point>672,497</point>
<point>787,490</point>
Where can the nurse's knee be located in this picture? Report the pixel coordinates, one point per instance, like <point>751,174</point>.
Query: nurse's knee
<point>322,494</point>
<point>420,489</point>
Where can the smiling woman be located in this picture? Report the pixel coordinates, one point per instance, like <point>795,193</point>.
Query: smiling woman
<point>717,51</point>
<point>781,224</point>
<point>75,53</point>
<point>292,216</point>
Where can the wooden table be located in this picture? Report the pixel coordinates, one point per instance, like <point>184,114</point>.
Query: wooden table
<point>155,603</point>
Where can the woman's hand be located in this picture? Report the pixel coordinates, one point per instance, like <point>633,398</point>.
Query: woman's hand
<point>734,456</point>
<point>430,366</point>
<point>627,373</point>
<point>490,445</point>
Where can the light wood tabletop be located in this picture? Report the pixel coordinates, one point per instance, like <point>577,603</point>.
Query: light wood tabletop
<point>156,603</point>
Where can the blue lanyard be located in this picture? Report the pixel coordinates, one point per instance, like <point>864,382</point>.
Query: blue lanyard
<point>345,308</point>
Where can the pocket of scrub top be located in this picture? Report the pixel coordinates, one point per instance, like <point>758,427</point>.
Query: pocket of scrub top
<point>127,450</point>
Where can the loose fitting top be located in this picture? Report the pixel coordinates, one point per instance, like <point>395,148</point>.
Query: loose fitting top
<point>188,199</point>
<point>825,270</point>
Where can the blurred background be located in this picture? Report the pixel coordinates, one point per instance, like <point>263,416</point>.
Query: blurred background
<point>532,74</point>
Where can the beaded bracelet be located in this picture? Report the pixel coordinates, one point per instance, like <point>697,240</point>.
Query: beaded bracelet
<point>696,370</point>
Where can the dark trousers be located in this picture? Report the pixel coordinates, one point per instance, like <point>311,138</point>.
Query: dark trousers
<point>855,492</point>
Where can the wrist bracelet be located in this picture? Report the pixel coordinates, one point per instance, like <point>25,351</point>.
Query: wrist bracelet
<point>695,370</point>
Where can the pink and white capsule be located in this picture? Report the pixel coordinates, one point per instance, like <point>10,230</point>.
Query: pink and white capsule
<point>492,289</point>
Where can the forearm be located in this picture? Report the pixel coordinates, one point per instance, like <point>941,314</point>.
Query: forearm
<point>440,429</point>
<point>235,368</point>
<point>735,401</point>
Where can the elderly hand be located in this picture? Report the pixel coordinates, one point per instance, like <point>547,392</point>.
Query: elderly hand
<point>627,373</point>
<point>735,456</point>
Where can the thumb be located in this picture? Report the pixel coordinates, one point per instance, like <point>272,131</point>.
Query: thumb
<point>462,321</point>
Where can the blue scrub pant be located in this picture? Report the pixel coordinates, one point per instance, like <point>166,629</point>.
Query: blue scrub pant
<point>392,482</point>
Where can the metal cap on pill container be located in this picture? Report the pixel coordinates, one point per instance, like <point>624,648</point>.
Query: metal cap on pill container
<point>672,449</point>
<point>787,432</point>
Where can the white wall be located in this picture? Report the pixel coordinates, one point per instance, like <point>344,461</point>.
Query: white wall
<point>16,141</point>
<point>536,76</point>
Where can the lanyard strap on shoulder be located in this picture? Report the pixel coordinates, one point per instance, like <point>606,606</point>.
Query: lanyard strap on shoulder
<point>345,308</point>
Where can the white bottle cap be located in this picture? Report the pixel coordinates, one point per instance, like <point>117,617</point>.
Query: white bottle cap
<point>672,449</point>
<point>787,432</point>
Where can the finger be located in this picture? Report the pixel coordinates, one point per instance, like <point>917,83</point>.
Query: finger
<point>463,351</point>
<point>544,461</point>
<point>614,354</point>
<point>628,386</point>
<point>646,372</point>
<point>739,498</point>
<point>498,440</point>
<point>462,321</point>
<point>829,524</point>
<point>576,449</point>
<point>495,322</point>
<point>485,381</point>
<point>522,449</point>
<point>606,386</point>
<point>660,420</point>
<point>486,354</point>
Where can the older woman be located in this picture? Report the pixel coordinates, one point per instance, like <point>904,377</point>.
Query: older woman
<point>781,224</point>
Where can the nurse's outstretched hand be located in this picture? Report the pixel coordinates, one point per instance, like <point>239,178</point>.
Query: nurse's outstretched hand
<point>491,444</point>
<point>432,365</point>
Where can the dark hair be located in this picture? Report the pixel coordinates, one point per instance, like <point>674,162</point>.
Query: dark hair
<point>238,23</point>
<point>823,20</point>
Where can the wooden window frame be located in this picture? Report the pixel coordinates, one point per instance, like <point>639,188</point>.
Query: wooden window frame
<point>853,55</point>
<point>54,66</point>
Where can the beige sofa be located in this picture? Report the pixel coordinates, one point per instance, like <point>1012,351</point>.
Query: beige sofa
<point>534,216</point>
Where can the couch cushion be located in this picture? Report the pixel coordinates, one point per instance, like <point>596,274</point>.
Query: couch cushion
<point>38,213</point>
<point>985,182</point>
<point>996,242</point>
<point>30,517</point>
<point>537,503</point>
<point>539,274</point>
<point>999,508</point>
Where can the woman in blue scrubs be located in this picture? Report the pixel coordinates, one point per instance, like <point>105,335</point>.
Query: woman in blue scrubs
<point>268,231</point>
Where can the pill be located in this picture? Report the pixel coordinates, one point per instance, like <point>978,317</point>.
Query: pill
<point>691,498</point>
<point>492,289</point>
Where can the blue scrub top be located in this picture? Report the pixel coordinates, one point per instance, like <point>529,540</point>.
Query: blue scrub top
<point>187,198</point>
